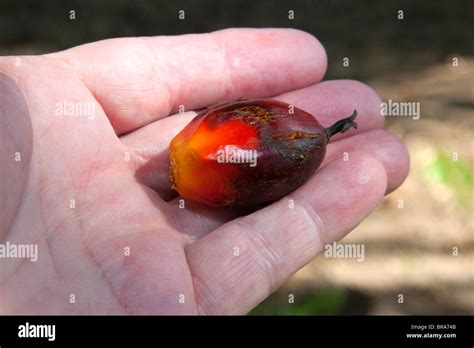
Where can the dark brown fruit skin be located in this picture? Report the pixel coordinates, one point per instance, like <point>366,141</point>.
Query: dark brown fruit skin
<point>290,144</point>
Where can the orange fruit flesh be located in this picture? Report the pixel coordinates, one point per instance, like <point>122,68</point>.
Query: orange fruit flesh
<point>195,170</point>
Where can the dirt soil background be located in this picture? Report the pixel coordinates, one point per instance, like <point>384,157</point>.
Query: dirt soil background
<point>419,258</point>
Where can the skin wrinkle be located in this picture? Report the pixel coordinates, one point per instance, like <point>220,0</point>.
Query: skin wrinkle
<point>222,47</point>
<point>193,289</point>
<point>202,295</point>
<point>228,83</point>
<point>86,70</point>
<point>90,255</point>
<point>46,226</point>
<point>257,285</point>
<point>234,276</point>
<point>204,259</point>
<point>315,239</point>
<point>375,166</point>
<point>261,249</point>
<point>201,289</point>
<point>194,292</point>
<point>63,65</point>
<point>91,170</point>
<point>171,98</point>
<point>320,227</point>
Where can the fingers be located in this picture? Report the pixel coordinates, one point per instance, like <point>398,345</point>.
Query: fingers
<point>197,220</point>
<point>385,147</point>
<point>236,266</point>
<point>139,80</point>
<point>328,101</point>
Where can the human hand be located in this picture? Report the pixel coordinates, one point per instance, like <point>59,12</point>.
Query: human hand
<point>92,187</point>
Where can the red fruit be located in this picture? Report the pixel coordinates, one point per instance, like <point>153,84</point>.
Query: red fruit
<point>248,153</point>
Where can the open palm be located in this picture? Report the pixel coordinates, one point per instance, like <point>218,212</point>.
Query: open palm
<point>92,125</point>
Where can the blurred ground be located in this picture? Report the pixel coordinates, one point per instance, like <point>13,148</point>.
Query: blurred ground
<point>408,250</point>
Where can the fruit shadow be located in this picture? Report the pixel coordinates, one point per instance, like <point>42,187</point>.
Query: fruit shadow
<point>154,175</point>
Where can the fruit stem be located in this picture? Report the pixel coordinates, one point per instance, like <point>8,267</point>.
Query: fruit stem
<point>343,125</point>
